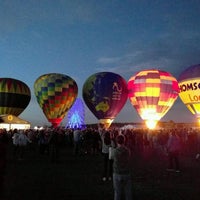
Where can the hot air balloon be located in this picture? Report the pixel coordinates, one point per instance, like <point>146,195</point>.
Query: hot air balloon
<point>55,94</point>
<point>105,94</point>
<point>152,93</point>
<point>15,96</point>
<point>189,84</point>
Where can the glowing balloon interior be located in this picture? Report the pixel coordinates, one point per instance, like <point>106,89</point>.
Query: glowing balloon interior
<point>152,93</point>
<point>55,94</point>
<point>105,94</point>
<point>76,115</point>
<point>189,84</point>
<point>15,96</point>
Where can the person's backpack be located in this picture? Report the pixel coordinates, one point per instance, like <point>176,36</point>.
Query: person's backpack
<point>107,140</point>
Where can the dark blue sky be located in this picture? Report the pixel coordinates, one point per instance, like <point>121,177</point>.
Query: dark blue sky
<point>79,38</point>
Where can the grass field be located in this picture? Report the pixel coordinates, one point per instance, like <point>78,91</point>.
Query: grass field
<point>79,177</point>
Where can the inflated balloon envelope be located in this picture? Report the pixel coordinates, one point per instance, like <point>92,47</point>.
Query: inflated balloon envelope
<point>55,94</point>
<point>152,92</point>
<point>15,96</point>
<point>105,94</point>
<point>189,84</point>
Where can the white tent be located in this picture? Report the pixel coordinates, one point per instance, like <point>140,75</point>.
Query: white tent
<point>11,122</point>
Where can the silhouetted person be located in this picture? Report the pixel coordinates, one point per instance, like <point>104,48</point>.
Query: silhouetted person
<point>107,165</point>
<point>122,182</point>
<point>54,146</point>
<point>3,155</point>
<point>173,148</point>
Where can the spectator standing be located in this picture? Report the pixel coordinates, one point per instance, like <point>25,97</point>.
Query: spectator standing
<point>77,141</point>
<point>15,139</point>
<point>43,142</point>
<point>23,140</point>
<point>3,159</point>
<point>107,163</point>
<point>122,182</point>
<point>96,140</point>
<point>173,149</point>
<point>54,145</point>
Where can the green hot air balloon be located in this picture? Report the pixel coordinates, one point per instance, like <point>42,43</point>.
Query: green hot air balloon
<point>55,94</point>
<point>15,96</point>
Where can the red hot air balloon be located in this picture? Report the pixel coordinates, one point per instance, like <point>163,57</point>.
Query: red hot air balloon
<point>105,94</point>
<point>152,93</point>
<point>55,94</point>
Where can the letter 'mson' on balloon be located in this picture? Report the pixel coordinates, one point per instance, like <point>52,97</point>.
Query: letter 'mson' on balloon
<point>152,92</point>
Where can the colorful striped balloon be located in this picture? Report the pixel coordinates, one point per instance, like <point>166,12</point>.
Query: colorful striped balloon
<point>152,93</point>
<point>55,94</point>
<point>15,96</point>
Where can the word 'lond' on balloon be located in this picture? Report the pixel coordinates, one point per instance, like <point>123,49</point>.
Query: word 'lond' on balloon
<point>105,94</point>
<point>189,83</point>
<point>152,93</point>
<point>194,98</point>
<point>55,94</point>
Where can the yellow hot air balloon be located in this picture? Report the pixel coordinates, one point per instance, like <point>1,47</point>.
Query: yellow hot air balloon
<point>189,84</point>
<point>152,93</point>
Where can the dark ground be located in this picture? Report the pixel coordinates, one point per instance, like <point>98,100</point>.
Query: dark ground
<point>79,178</point>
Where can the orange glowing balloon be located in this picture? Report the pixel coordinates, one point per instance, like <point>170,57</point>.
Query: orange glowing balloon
<point>152,93</point>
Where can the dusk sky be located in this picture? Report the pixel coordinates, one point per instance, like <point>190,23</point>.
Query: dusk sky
<point>81,37</point>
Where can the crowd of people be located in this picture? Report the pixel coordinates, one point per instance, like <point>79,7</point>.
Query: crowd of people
<point>115,151</point>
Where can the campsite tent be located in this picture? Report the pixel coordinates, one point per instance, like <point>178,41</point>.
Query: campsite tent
<point>11,122</point>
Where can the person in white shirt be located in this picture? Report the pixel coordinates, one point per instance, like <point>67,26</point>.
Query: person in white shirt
<point>20,141</point>
<point>77,141</point>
